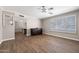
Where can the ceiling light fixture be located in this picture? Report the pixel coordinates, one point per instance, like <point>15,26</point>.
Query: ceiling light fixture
<point>45,9</point>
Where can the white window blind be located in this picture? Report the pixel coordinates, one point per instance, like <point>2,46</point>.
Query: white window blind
<point>63,24</point>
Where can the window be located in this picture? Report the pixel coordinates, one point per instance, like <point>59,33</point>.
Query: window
<point>64,24</point>
<point>60,24</point>
<point>71,24</point>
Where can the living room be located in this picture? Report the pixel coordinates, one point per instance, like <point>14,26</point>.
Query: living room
<point>39,29</point>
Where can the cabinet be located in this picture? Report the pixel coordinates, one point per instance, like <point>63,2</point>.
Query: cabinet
<point>36,31</point>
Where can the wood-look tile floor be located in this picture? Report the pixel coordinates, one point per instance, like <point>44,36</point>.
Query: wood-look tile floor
<point>39,44</point>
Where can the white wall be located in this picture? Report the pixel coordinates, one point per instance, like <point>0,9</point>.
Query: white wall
<point>3,35</point>
<point>19,23</point>
<point>0,26</point>
<point>31,22</point>
<point>62,34</point>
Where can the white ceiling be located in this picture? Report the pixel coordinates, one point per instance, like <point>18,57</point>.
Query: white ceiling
<point>36,12</point>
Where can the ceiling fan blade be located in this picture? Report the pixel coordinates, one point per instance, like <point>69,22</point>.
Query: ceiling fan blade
<point>51,8</point>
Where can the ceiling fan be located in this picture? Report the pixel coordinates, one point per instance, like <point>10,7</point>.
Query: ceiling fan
<point>45,9</point>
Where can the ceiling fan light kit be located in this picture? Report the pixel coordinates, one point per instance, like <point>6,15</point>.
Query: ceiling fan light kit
<point>45,9</point>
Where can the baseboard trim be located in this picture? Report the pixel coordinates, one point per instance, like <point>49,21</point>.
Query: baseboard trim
<point>6,40</point>
<point>63,37</point>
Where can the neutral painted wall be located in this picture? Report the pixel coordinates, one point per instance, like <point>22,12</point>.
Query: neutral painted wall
<point>0,26</point>
<point>61,34</point>
<point>31,22</point>
<point>4,35</point>
<point>19,23</point>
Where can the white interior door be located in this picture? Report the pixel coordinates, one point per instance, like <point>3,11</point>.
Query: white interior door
<point>8,26</point>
